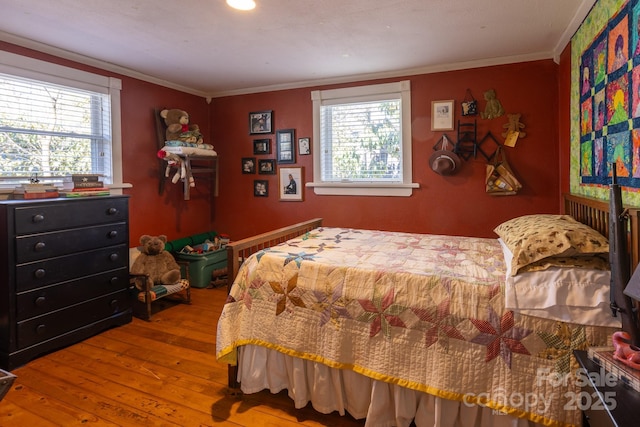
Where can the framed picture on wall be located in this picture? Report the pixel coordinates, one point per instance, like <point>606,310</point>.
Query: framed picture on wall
<point>291,185</point>
<point>261,188</point>
<point>266,167</point>
<point>261,146</point>
<point>248,165</point>
<point>304,146</point>
<point>260,122</point>
<point>442,115</point>
<point>286,148</point>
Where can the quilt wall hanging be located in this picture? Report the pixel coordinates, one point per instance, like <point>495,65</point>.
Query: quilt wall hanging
<point>605,100</point>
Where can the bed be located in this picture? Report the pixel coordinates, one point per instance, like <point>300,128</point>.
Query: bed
<point>398,328</point>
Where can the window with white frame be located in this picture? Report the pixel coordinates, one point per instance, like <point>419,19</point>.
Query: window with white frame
<point>363,140</point>
<point>56,121</point>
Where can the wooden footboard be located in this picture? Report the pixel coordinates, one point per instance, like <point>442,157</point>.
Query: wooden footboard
<point>238,251</point>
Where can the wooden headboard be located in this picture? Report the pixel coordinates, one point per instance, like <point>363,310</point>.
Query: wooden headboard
<point>595,214</point>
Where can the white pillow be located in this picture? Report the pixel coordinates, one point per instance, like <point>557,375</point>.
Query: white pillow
<point>574,295</point>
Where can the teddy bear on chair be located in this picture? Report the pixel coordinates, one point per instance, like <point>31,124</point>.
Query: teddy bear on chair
<point>179,128</point>
<point>156,263</point>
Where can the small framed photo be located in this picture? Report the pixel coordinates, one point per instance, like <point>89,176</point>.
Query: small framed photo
<point>291,185</point>
<point>261,146</point>
<point>442,115</point>
<point>260,122</point>
<point>261,188</point>
<point>286,148</point>
<point>266,167</point>
<point>248,165</point>
<point>304,146</point>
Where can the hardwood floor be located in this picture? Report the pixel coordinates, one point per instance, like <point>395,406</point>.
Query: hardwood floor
<point>157,373</point>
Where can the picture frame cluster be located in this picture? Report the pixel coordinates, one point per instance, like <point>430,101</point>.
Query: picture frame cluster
<point>290,178</point>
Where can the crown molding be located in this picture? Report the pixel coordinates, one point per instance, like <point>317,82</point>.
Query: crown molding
<point>107,66</point>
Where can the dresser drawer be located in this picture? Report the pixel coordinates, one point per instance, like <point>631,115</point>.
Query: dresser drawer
<point>50,298</point>
<point>38,329</point>
<point>38,217</point>
<point>61,269</point>
<point>45,245</point>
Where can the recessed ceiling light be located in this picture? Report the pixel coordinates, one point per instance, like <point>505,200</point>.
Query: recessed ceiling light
<point>242,4</point>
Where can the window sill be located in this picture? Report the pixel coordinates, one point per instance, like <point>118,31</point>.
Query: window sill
<point>362,189</point>
<point>116,189</point>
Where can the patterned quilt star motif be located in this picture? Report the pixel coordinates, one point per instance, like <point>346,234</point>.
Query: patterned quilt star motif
<point>298,258</point>
<point>561,344</point>
<point>500,335</point>
<point>287,293</point>
<point>330,304</point>
<point>381,313</point>
<point>439,318</point>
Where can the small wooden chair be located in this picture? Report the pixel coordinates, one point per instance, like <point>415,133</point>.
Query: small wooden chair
<point>147,293</point>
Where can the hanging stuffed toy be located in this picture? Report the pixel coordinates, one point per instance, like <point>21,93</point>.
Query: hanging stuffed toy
<point>175,161</point>
<point>494,108</point>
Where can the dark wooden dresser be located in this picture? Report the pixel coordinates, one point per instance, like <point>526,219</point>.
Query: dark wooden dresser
<point>605,405</point>
<point>64,267</point>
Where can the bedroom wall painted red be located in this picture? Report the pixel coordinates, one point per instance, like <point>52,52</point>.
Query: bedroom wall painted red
<point>151,213</point>
<point>456,205</point>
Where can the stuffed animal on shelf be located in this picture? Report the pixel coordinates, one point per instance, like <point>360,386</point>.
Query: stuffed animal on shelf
<point>179,128</point>
<point>155,262</point>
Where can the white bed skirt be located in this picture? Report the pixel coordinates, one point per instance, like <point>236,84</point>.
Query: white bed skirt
<point>382,404</point>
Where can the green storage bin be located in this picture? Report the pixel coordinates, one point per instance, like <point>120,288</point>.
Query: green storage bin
<point>175,246</point>
<point>202,265</point>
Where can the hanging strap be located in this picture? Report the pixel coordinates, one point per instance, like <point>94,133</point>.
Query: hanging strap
<point>468,96</point>
<point>498,156</point>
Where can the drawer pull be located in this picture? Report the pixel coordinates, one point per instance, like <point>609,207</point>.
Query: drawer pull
<point>113,234</point>
<point>112,211</point>
<point>39,273</point>
<point>40,246</point>
<point>37,218</point>
<point>114,257</point>
<point>113,303</point>
<point>114,280</point>
<point>40,301</point>
<point>41,329</point>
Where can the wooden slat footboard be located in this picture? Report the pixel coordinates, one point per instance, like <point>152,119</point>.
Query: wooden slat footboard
<point>238,251</point>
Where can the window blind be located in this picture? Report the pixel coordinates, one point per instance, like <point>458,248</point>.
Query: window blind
<point>50,131</point>
<point>361,141</point>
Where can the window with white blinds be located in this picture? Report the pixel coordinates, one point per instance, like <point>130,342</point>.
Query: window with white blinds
<point>363,139</point>
<point>50,131</point>
<point>56,121</point>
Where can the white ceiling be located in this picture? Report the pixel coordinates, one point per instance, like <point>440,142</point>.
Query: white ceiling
<point>206,48</point>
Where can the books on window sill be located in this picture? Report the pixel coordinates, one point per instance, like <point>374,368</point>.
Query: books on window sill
<point>35,191</point>
<point>85,177</point>
<point>37,195</point>
<point>85,193</point>
<point>82,181</point>
<point>603,356</point>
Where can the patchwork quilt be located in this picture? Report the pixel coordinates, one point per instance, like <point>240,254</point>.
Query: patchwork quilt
<point>421,311</point>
